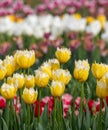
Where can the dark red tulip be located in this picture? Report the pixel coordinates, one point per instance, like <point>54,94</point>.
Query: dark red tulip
<point>2,102</point>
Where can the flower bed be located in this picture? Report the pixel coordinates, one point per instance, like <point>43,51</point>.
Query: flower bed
<point>34,98</point>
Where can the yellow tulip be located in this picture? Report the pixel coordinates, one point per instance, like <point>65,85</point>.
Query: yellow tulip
<point>61,75</point>
<point>9,64</point>
<point>102,88</point>
<point>46,67</point>
<point>2,70</point>
<point>29,81</point>
<point>19,80</point>
<point>90,19</point>
<point>41,78</point>
<point>63,55</point>
<point>81,70</point>
<point>102,20</point>
<point>106,77</point>
<point>57,88</point>
<point>54,64</point>
<point>98,70</point>
<point>8,91</point>
<point>29,95</point>
<point>13,18</point>
<point>25,59</point>
<point>77,16</point>
<point>10,80</point>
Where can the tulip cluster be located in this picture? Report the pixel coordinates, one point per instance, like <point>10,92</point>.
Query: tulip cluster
<point>23,88</point>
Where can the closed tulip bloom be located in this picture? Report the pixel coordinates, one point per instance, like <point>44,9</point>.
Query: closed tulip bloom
<point>9,64</point>
<point>98,70</point>
<point>41,78</point>
<point>19,80</point>
<point>46,67</point>
<point>102,88</point>
<point>2,102</point>
<point>81,70</point>
<point>57,88</point>
<point>54,64</point>
<point>29,81</point>
<point>8,91</point>
<point>102,20</point>
<point>63,54</point>
<point>77,16</point>
<point>106,77</point>
<point>90,19</point>
<point>25,59</point>
<point>2,70</point>
<point>29,95</point>
<point>10,80</point>
<point>61,75</point>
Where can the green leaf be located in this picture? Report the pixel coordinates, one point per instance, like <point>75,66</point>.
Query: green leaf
<point>40,127</point>
<point>5,127</point>
<point>44,118</point>
<point>95,123</point>
<point>88,117</point>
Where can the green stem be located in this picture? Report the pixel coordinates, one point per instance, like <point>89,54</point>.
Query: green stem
<point>81,105</point>
<point>100,115</point>
<point>7,113</point>
<point>28,116</point>
<point>39,105</point>
<point>61,112</point>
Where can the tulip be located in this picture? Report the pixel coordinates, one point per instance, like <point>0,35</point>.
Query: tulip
<point>90,19</point>
<point>101,88</point>
<point>29,95</point>
<point>46,67</point>
<point>17,104</point>
<point>19,80</point>
<point>63,54</point>
<point>54,64</point>
<point>102,20</point>
<point>81,70</point>
<point>2,70</point>
<point>10,80</point>
<point>57,88</point>
<point>8,91</point>
<point>25,59</point>
<point>61,75</point>
<point>41,78</point>
<point>77,16</point>
<point>98,70</point>
<point>29,81</point>
<point>2,102</point>
<point>9,64</point>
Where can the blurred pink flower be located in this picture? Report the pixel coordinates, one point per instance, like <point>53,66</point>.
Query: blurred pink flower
<point>3,12</point>
<point>41,8</point>
<point>74,44</point>
<point>27,10</point>
<point>4,48</point>
<point>18,5</point>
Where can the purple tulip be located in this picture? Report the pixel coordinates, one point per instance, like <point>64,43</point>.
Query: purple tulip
<point>18,5</point>
<point>41,8</point>
<point>27,10</point>
<point>51,6</point>
<point>3,12</point>
<point>7,3</point>
<point>71,10</point>
<point>103,2</point>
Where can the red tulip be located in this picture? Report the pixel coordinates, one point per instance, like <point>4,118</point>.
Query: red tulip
<point>2,102</point>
